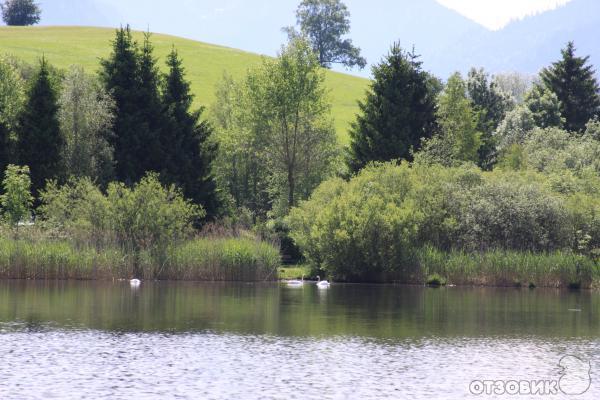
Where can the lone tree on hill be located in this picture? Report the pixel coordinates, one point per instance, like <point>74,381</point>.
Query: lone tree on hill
<point>573,81</point>
<point>20,12</point>
<point>323,23</point>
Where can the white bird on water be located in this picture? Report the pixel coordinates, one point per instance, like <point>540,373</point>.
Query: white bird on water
<point>296,283</point>
<point>322,284</point>
<point>135,282</point>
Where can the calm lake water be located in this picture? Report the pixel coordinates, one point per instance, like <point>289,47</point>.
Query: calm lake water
<point>267,341</point>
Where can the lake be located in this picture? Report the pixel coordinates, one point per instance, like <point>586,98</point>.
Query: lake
<point>71,340</point>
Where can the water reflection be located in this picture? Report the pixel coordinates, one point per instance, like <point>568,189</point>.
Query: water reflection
<point>72,340</point>
<point>343,310</point>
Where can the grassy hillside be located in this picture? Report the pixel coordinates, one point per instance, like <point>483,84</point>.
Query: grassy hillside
<point>205,63</point>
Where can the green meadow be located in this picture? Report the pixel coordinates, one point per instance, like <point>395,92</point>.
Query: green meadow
<point>205,63</point>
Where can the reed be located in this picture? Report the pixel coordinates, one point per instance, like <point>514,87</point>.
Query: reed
<point>510,268</point>
<point>215,259</point>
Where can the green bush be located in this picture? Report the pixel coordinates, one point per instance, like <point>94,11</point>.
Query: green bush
<point>146,218</point>
<point>375,225</point>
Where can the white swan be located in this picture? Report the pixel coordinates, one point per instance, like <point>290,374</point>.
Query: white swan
<point>296,283</point>
<point>135,282</point>
<point>322,284</point>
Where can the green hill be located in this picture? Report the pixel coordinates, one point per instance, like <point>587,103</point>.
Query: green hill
<point>205,63</point>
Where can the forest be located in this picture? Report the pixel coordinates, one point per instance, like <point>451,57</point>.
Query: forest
<point>479,179</point>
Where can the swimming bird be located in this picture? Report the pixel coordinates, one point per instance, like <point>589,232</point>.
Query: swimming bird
<point>296,283</point>
<point>322,284</point>
<point>135,282</point>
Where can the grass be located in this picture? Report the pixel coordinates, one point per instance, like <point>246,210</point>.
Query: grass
<point>295,272</point>
<point>509,268</point>
<point>212,259</point>
<point>204,63</point>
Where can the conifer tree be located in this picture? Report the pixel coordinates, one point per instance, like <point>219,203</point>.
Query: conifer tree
<point>573,81</point>
<point>40,142</point>
<point>187,141</point>
<point>132,78</point>
<point>119,74</point>
<point>398,112</point>
<point>151,156</point>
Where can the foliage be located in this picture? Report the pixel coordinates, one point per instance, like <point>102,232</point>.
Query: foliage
<point>515,84</point>
<point>573,81</point>
<point>40,143</point>
<point>130,76</point>
<point>17,200</point>
<point>514,128</point>
<point>20,12</point>
<point>86,117</point>
<point>324,23</point>
<point>12,94</point>
<point>287,120</point>
<point>554,150</point>
<point>545,107</point>
<point>187,143</point>
<point>147,217</point>
<point>398,112</point>
<point>239,167</point>
<point>11,101</point>
<point>490,104</point>
<point>373,225</point>
<point>458,122</point>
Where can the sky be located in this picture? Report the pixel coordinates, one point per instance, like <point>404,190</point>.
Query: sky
<point>496,14</point>
<point>432,26</point>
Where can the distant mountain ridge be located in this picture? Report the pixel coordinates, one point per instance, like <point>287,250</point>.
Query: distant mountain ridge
<point>446,40</point>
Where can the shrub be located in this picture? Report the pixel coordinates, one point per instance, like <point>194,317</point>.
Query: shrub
<point>145,218</point>
<point>375,224</point>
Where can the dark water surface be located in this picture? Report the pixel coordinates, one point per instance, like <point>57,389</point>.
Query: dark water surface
<point>71,340</point>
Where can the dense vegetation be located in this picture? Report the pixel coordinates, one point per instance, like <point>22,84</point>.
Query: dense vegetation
<point>478,180</point>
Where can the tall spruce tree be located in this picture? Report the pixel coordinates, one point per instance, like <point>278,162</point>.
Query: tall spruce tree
<point>187,141</point>
<point>150,110</point>
<point>132,78</point>
<point>398,112</point>
<point>40,142</point>
<point>574,83</point>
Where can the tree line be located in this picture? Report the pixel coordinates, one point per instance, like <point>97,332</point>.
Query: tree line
<point>129,121</point>
<point>268,140</point>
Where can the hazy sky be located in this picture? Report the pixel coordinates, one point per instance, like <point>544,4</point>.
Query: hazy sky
<point>495,14</point>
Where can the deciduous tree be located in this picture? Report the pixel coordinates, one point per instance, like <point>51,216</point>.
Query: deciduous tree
<point>86,117</point>
<point>324,23</point>
<point>20,12</point>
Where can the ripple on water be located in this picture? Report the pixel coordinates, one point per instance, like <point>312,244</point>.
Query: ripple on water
<point>70,364</point>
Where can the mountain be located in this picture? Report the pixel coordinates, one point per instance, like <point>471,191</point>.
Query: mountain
<point>446,40</point>
<point>530,44</point>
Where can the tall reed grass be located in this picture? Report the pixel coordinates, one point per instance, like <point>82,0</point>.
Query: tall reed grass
<point>509,268</point>
<point>215,259</point>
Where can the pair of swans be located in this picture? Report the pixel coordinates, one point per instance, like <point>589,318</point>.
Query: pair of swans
<point>135,283</point>
<point>320,284</point>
